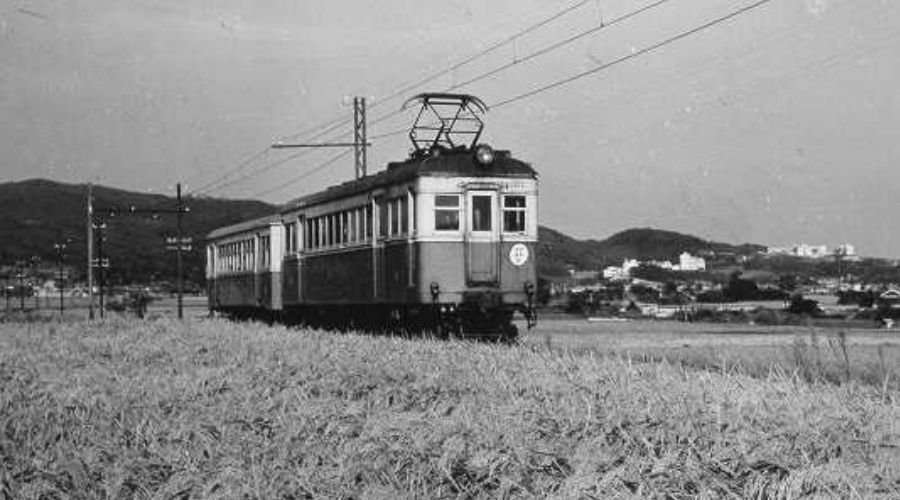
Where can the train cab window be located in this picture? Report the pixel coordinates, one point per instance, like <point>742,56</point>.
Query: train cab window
<point>513,214</point>
<point>446,212</point>
<point>481,213</point>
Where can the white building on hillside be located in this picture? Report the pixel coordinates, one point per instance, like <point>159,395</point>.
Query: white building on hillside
<point>687,262</point>
<point>811,251</point>
<point>623,272</point>
<point>845,250</point>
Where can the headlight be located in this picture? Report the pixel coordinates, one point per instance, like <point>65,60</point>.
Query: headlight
<point>484,155</point>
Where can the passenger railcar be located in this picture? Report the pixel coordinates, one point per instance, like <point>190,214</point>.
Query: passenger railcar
<point>443,241</point>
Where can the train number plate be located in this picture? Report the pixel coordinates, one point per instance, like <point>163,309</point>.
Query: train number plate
<point>518,254</point>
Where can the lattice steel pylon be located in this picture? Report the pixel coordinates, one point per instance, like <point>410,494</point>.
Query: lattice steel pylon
<point>359,136</point>
<point>359,143</point>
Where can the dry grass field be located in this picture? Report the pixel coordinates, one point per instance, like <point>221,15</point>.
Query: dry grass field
<point>817,354</point>
<point>211,409</point>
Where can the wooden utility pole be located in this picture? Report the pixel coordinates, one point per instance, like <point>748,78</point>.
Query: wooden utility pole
<point>179,244</point>
<point>60,274</point>
<point>101,262</point>
<point>90,250</point>
<point>178,268</point>
<point>20,274</point>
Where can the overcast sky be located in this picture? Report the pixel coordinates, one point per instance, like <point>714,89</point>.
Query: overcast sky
<point>778,126</point>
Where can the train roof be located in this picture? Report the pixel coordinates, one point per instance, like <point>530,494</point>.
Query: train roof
<point>456,163</point>
<point>243,227</point>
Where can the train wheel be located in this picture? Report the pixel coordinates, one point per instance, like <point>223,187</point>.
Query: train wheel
<point>510,335</point>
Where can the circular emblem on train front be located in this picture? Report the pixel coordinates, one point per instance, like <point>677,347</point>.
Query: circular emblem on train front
<point>518,254</point>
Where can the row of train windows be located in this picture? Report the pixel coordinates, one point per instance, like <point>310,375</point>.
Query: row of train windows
<point>355,225</point>
<point>241,255</point>
<point>351,226</point>
<point>342,228</point>
<point>447,208</point>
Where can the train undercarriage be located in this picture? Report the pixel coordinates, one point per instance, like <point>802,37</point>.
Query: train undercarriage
<point>438,320</point>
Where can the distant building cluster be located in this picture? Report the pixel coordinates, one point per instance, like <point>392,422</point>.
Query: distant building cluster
<point>845,250</point>
<point>686,262</point>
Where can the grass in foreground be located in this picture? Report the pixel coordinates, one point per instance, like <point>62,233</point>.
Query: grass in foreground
<point>220,410</point>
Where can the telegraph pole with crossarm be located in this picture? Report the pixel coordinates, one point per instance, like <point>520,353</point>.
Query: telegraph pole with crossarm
<point>183,245</point>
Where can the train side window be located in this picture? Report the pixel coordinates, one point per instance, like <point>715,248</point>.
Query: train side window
<point>329,230</point>
<point>289,238</point>
<point>318,230</point>
<point>481,213</point>
<point>351,226</point>
<point>446,212</point>
<point>395,217</point>
<point>368,222</point>
<point>404,215</point>
<point>383,218</point>
<point>514,214</point>
<point>264,252</point>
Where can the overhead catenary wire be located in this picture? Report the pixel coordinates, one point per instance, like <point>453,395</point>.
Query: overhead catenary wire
<point>229,173</point>
<point>560,44</point>
<point>330,125</point>
<point>532,55</point>
<point>335,123</point>
<point>622,59</point>
<point>633,55</point>
<point>222,182</point>
<point>506,41</point>
<point>323,128</point>
<point>305,174</point>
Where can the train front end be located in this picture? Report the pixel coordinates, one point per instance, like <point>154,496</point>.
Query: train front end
<point>477,248</point>
<point>477,213</point>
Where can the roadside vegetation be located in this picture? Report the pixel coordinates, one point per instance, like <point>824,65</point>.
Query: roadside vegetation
<point>211,409</point>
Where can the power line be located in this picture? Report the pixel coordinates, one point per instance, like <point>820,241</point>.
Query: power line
<point>327,126</point>
<point>263,168</point>
<point>221,183</point>
<point>305,174</point>
<point>334,124</point>
<point>406,88</point>
<point>561,43</point>
<point>403,90</point>
<point>389,134</point>
<point>231,172</point>
<point>633,55</point>
<point>535,54</point>
<point>338,121</point>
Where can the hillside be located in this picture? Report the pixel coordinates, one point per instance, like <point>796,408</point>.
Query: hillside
<point>35,214</point>
<point>559,252</point>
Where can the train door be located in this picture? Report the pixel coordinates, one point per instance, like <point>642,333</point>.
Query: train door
<point>482,238</point>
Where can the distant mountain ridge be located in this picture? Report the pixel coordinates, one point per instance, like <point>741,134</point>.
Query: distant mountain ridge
<point>35,214</point>
<point>560,252</point>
